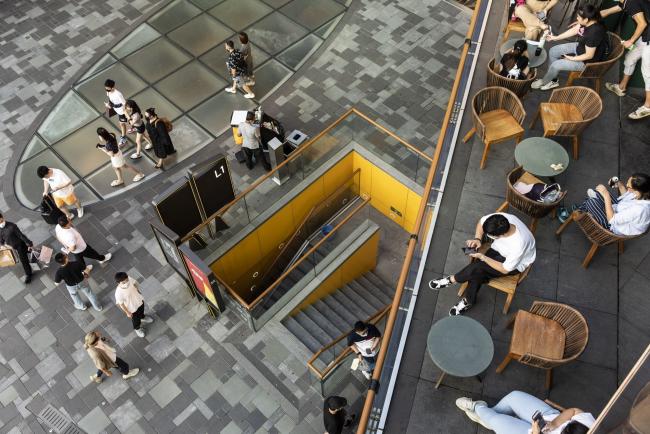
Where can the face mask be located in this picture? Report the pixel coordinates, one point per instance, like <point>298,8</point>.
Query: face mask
<point>2,225</point>
<point>124,284</point>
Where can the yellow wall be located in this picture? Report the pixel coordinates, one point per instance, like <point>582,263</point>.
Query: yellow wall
<point>361,261</point>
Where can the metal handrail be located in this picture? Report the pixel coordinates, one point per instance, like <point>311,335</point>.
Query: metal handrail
<point>374,319</point>
<point>412,244</point>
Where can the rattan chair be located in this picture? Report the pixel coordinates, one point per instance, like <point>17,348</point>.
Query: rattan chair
<point>547,336</point>
<point>595,71</point>
<point>507,284</point>
<point>520,202</point>
<point>519,87</point>
<point>597,234</point>
<point>498,115</point>
<point>568,112</point>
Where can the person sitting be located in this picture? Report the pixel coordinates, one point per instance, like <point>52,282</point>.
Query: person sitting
<point>511,252</point>
<point>514,63</point>
<point>592,46</point>
<point>514,415</point>
<point>533,13</point>
<point>364,340</point>
<point>629,213</point>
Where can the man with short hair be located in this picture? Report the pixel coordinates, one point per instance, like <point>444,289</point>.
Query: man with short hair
<point>364,340</point>
<point>129,298</point>
<point>116,101</point>
<point>251,142</point>
<point>11,236</point>
<point>511,252</point>
<point>74,274</point>
<point>60,184</point>
<point>335,417</point>
<point>237,69</point>
<point>74,243</point>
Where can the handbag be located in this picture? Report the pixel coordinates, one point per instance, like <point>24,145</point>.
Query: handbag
<point>42,254</point>
<point>110,112</point>
<point>7,257</point>
<point>49,211</point>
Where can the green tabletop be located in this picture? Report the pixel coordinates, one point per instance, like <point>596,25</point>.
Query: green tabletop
<point>460,346</point>
<point>537,154</point>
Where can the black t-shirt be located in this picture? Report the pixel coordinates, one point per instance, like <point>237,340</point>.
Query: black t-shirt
<point>593,36</point>
<point>373,332</point>
<point>633,7</point>
<point>333,422</point>
<point>71,273</point>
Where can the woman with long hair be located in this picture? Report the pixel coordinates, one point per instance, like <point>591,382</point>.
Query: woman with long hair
<point>105,358</point>
<point>108,145</point>
<point>134,116</point>
<point>245,50</point>
<point>514,63</point>
<point>157,130</point>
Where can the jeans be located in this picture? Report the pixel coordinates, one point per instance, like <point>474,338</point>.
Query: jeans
<point>74,294</point>
<point>514,413</point>
<point>121,365</point>
<point>90,253</point>
<point>558,64</point>
<point>371,361</point>
<point>136,317</point>
<point>478,273</point>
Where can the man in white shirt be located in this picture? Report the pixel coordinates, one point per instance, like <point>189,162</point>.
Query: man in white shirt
<point>116,101</point>
<point>511,252</point>
<point>251,142</point>
<point>60,184</point>
<point>129,298</point>
<point>74,243</point>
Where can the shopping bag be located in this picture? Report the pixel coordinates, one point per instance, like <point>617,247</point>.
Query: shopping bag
<point>42,254</point>
<point>7,257</point>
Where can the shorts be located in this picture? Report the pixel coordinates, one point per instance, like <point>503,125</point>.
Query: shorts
<point>139,129</point>
<point>240,80</point>
<point>69,199</point>
<point>122,118</point>
<point>117,160</point>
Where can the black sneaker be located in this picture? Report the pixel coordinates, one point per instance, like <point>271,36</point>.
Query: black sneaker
<point>460,307</point>
<point>437,284</point>
<point>350,420</point>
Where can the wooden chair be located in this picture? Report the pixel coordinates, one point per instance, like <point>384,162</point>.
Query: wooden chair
<point>549,335</point>
<point>568,112</point>
<point>598,235</point>
<point>498,115</point>
<point>512,26</point>
<point>520,202</point>
<point>597,70</point>
<point>519,87</point>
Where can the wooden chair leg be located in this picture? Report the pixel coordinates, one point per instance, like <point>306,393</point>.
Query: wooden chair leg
<point>590,255</point>
<point>549,379</point>
<point>511,321</point>
<point>469,135</point>
<point>566,223</point>
<point>485,153</point>
<point>621,247</point>
<point>533,225</point>
<point>462,289</point>
<point>576,146</point>
<point>504,206</point>
<point>506,306</point>
<point>534,121</point>
<point>519,138</point>
<point>505,362</point>
<point>572,76</point>
<point>597,85</point>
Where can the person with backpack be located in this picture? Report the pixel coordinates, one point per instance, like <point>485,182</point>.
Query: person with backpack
<point>60,185</point>
<point>108,145</point>
<point>592,46</point>
<point>158,130</point>
<point>514,63</point>
<point>11,236</point>
<point>238,70</point>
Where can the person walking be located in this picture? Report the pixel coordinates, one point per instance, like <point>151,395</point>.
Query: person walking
<point>335,417</point>
<point>60,185</point>
<point>251,142</point>
<point>116,102</point>
<point>74,243</point>
<point>134,116</point>
<point>238,71</point>
<point>246,51</point>
<point>108,145</point>
<point>159,136</point>
<point>11,236</point>
<point>364,340</point>
<point>105,358</point>
<point>74,274</point>
<point>129,298</point>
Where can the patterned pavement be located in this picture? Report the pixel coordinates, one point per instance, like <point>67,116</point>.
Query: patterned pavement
<point>392,60</point>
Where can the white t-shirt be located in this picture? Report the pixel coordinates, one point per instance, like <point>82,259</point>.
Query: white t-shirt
<point>518,248</point>
<point>631,215</point>
<point>249,135</point>
<point>69,237</point>
<point>587,419</point>
<point>58,179</point>
<point>130,296</point>
<point>116,97</point>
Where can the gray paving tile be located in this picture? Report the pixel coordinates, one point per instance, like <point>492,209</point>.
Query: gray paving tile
<point>164,392</point>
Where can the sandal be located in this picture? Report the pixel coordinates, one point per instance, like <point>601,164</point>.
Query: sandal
<point>148,147</point>
<point>135,156</point>
<point>138,177</point>
<point>159,166</point>
<point>116,183</point>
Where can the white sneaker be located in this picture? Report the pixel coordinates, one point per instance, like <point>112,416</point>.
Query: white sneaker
<point>95,378</point>
<point>469,407</point>
<point>138,177</point>
<point>148,147</point>
<point>640,113</point>
<point>132,373</point>
<point>80,212</point>
<point>615,88</point>
<point>135,156</point>
<point>82,307</point>
<point>140,333</point>
<point>70,217</point>
<point>591,193</point>
<point>437,284</point>
<point>146,320</point>
<point>550,85</point>
<point>89,267</point>
<point>98,309</point>
<point>107,257</point>
<point>249,96</point>
<point>537,83</point>
<point>367,374</point>
<point>231,90</point>
<point>460,307</point>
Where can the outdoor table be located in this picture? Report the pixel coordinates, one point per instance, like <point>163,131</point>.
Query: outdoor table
<point>533,61</point>
<point>459,346</point>
<point>536,154</point>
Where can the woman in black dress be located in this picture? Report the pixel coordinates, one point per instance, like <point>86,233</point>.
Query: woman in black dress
<point>159,136</point>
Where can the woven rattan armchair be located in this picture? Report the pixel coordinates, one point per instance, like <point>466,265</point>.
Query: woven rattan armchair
<point>520,202</point>
<point>598,235</point>
<point>568,112</point>
<point>548,335</point>
<point>597,70</point>
<point>498,115</point>
<point>519,87</point>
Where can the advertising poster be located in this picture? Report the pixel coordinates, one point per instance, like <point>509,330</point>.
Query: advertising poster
<point>202,278</point>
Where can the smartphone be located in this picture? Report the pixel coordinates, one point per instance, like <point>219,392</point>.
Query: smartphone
<point>469,250</point>
<point>537,417</point>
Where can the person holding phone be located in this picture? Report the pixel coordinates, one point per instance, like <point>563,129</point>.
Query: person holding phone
<point>522,413</point>
<point>364,340</point>
<point>592,46</point>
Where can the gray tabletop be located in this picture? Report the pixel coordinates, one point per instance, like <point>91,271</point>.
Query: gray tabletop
<point>537,154</point>
<point>460,346</point>
<point>533,61</point>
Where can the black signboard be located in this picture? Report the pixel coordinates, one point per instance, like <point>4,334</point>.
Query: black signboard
<point>178,209</point>
<point>212,185</point>
<point>168,242</point>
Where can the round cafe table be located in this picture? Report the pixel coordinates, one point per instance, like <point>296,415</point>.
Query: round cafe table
<point>459,346</point>
<point>537,154</point>
<point>533,61</point>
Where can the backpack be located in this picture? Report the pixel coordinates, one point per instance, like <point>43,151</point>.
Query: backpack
<point>49,211</point>
<point>545,193</point>
<point>168,124</point>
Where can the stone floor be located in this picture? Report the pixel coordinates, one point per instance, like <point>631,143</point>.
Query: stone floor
<point>393,60</point>
<point>611,293</point>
